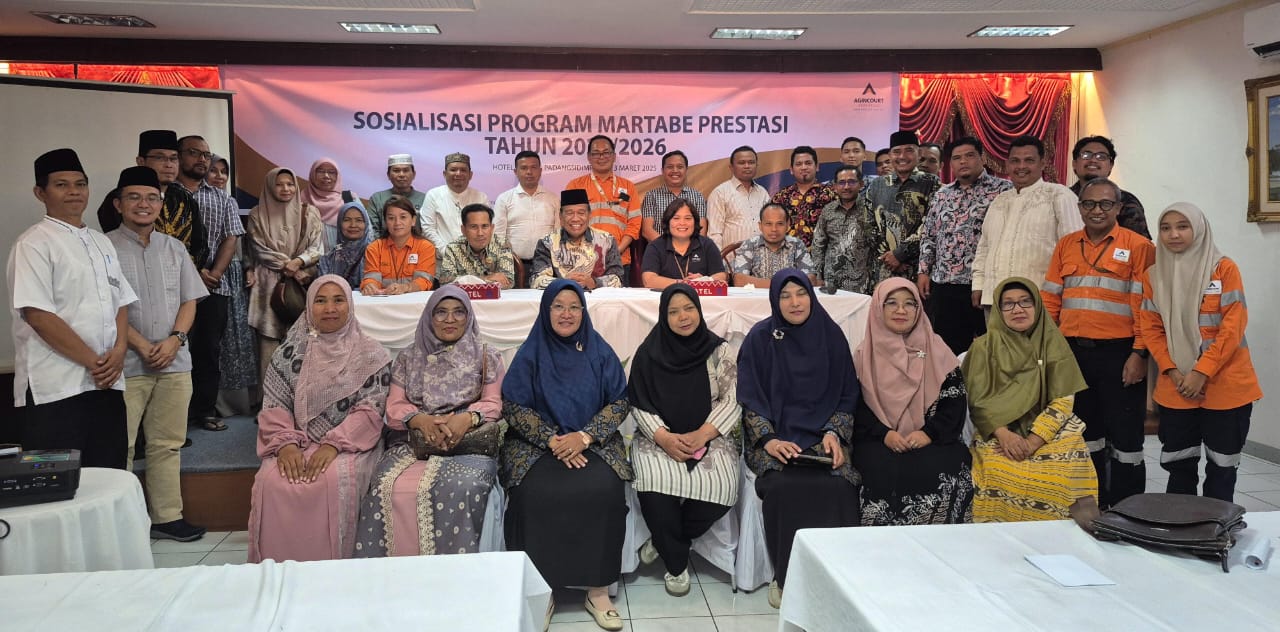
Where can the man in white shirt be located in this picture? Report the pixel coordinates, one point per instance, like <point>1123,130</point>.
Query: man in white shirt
<point>158,366</point>
<point>734,206</point>
<point>526,213</point>
<point>69,300</point>
<point>441,215</point>
<point>1023,225</point>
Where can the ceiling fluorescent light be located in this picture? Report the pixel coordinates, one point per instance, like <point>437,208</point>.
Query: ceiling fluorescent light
<point>94,19</point>
<point>757,34</point>
<point>1018,31</point>
<point>383,27</point>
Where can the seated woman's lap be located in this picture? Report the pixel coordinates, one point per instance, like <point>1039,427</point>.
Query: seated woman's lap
<point>465,482</point>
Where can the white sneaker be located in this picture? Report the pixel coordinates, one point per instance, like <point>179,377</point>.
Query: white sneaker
<point>677,585</point>
<point>775,594</point>
<point>648,553</point>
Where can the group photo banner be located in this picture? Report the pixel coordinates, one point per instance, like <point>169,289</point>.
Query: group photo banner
<point>290,116</point>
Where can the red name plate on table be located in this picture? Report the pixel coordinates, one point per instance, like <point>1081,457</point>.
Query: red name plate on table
<point>710,288</point>
<point>481,291</point>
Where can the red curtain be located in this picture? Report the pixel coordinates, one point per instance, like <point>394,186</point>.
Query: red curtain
<point>52,71</point>
<point>994,108</point>
<point>171,76</point>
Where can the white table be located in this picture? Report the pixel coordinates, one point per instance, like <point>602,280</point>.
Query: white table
<point>623,316</point>
<point>105,527</point>
<point>974,577</point>
<point>482,591</point>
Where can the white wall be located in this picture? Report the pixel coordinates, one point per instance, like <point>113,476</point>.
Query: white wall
<point>1174,104</point>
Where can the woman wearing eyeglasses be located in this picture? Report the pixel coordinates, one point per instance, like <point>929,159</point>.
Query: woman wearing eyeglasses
<point>563,461</point>
<point>1030,461</point>
<point>448,387</point>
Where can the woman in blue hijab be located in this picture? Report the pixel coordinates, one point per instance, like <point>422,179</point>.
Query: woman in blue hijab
<point>346,259</point>
<point>563,461</point>
<point>798,391</point>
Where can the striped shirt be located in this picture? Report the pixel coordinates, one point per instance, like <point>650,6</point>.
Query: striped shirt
<point>715,479</point>
<point>615,207</point>
<point>221,217</point>
<point>733,211</point>
<point>1090,289</point>
<point>657,200</point>
<point>1019,233</point>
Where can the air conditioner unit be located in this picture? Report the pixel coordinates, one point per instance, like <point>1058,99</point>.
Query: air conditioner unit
<point>1262,30</point>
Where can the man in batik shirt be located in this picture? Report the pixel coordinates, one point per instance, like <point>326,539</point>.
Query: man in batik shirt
<point>478,252</point>
<point>759,258</point>
<point>949,240</point>
<point>576,251</point>
<point>804,199</point>
<point>839,256</point>
<point>891,210</point>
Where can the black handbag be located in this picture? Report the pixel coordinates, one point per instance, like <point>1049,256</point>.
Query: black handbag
<point>483,440</point>
<point>1196,524</point>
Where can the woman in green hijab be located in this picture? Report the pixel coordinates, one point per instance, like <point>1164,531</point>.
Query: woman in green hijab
<point>1029,457</point>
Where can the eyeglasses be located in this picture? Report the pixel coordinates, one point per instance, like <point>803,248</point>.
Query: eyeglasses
<point>162,157</point>
<point>1100,156</point>
<point>572,309</point>
<point>443,315</point>
<point>1105,205</point>
<point>908,306</point>
<point>324,172</point>
<point>196,153</point>
<point>1026,303</point>
<point>134,198</point>
<point>847,183</point>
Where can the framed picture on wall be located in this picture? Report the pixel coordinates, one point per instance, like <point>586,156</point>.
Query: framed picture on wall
<point>1262,97</point>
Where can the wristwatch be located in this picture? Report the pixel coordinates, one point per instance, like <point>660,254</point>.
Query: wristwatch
<point>181,336</point>
<point>1142,353</point>
<point>476,419</point>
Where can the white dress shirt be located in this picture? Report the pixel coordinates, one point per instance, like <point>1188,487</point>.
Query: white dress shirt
<point>1020,232</point>
<point>733,211</point>
<point>442,214</point>
<point>74,273</point>
<point>522,219</point>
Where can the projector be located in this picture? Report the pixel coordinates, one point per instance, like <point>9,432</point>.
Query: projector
<point>39,476</point>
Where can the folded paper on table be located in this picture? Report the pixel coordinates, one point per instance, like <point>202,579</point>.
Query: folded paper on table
<point>1068,570</point>
<point>1252,550</point>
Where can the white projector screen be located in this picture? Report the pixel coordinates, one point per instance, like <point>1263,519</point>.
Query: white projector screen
<point>101,122</point>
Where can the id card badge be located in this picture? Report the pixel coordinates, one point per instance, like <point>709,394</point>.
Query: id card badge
<point>1121,255</point>
<point>1215,287</point>
<point>413,257</point>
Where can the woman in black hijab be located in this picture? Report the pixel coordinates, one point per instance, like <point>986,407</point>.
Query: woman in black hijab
<point>683,392</point>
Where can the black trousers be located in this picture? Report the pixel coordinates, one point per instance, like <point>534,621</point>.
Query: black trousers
<point>1113,415</point>
<point>1223,432</point>
<point>92,422</point>
<point>675,523</point>
<point>950,310</point>
<point>799,497</point>
<point>205,339</point>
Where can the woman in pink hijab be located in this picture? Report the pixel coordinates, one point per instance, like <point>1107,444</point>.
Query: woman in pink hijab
<point>907,426</point>
<point>319,431</point>
<point>324,191</point>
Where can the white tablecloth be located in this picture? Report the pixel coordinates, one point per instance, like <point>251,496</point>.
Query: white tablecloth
<point>622,316</point>
<point>974,577</point>
<point>104,528</point>
<point>483,591</point>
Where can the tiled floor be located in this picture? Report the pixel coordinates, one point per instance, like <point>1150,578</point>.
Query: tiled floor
<point>711,606</point>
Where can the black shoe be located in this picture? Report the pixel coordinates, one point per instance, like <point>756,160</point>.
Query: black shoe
<point>179,530</point>
<point>187,443</point>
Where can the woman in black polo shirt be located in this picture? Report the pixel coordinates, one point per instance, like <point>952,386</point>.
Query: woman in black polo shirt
<point>680,254</point>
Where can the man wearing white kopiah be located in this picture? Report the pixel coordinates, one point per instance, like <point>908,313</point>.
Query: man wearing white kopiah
<point>70,316</point>
<point>441,215</point>
<point>401,174</point>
